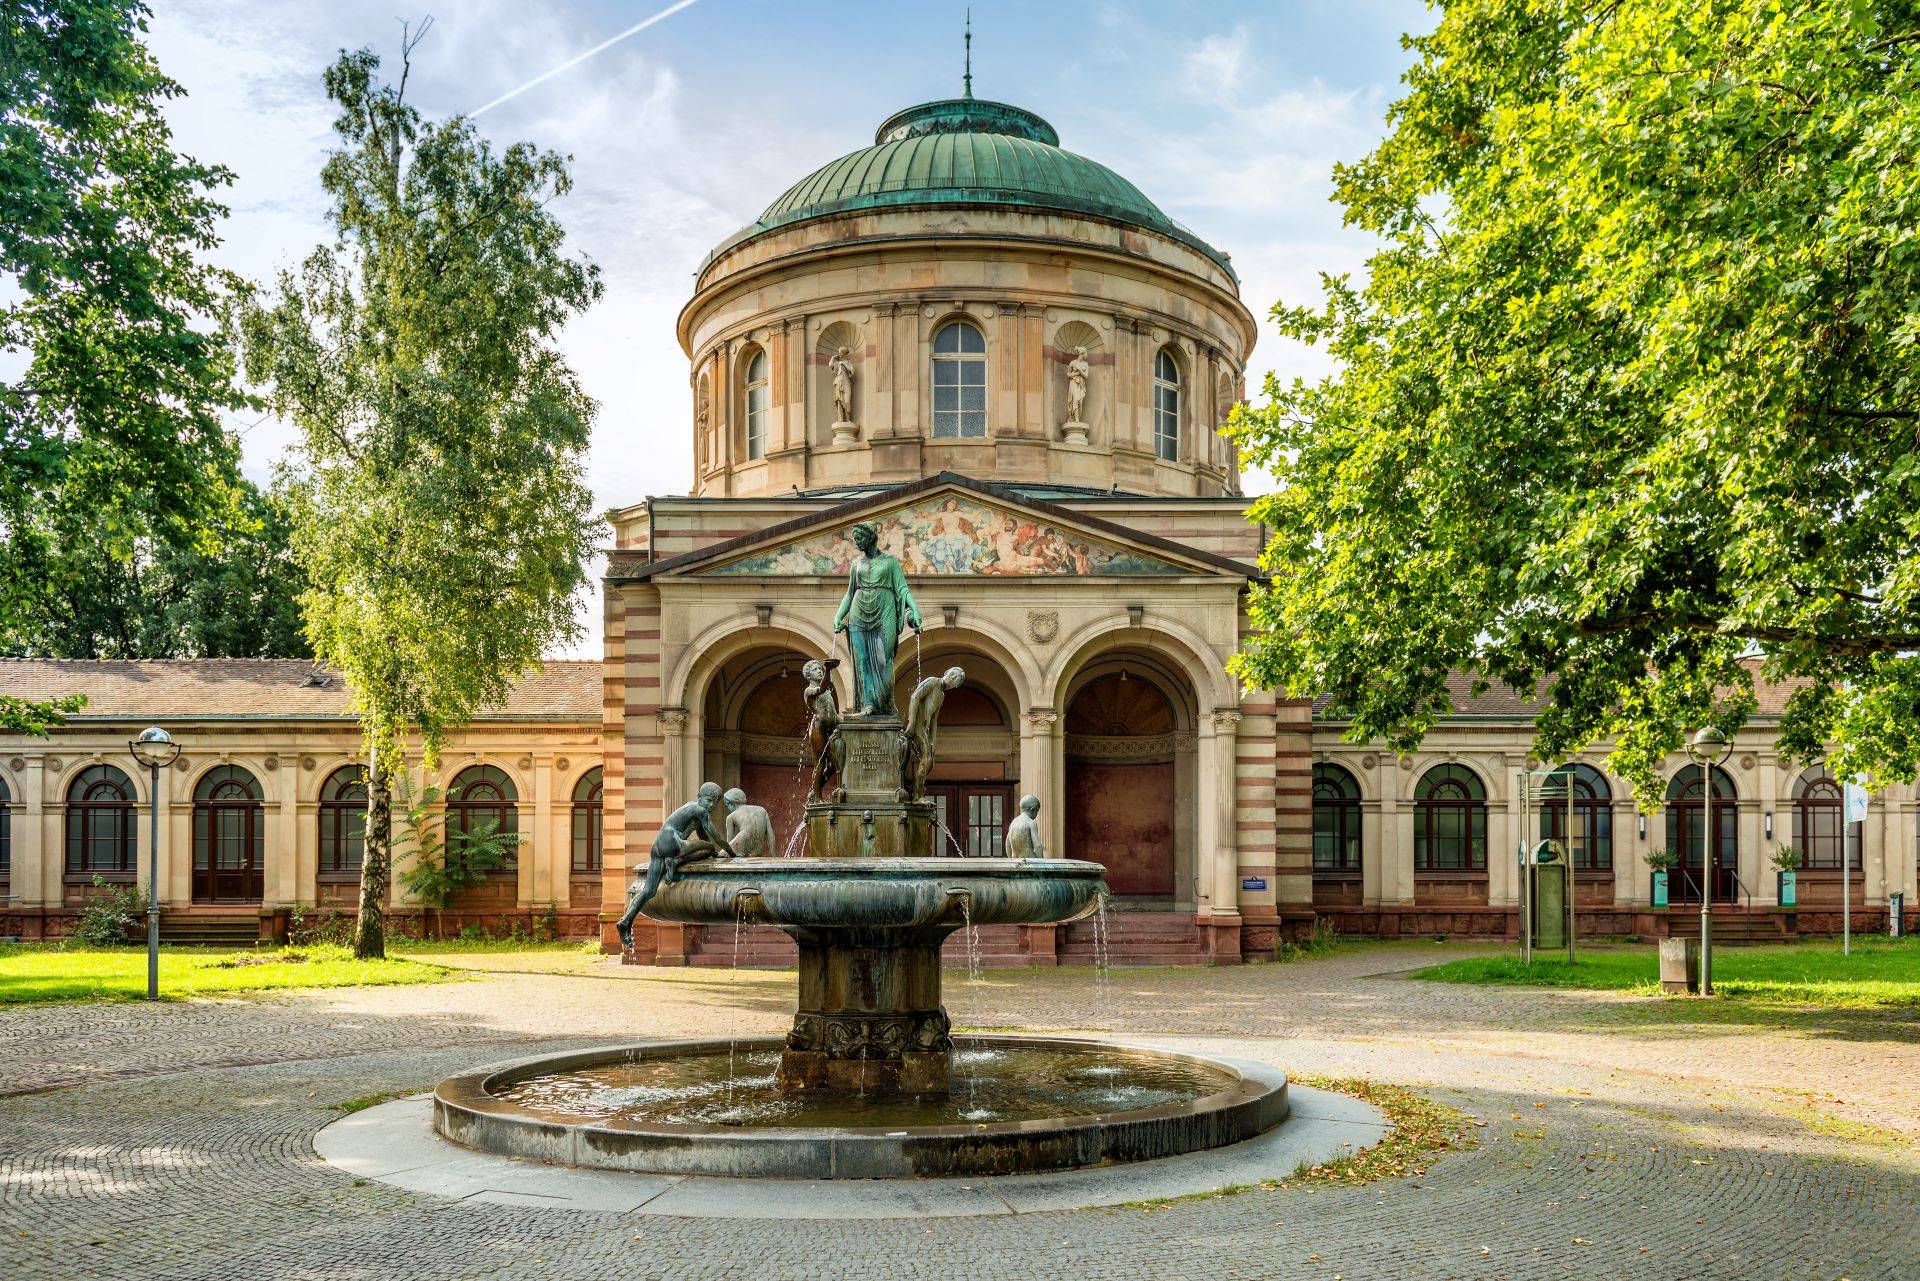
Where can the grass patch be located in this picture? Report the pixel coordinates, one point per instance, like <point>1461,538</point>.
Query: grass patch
<point>1422,1129</point>
<point>365,1101</point>
<point>1880,974</point>
<point>40,972</point>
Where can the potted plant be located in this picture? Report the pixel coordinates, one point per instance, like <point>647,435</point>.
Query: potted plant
<point>1786,862</point>
<point>1661,861</point>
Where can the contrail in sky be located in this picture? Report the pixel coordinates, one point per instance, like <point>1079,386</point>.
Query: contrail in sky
<point>577,59</point>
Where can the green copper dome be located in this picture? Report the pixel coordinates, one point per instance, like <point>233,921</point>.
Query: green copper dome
<point>968,152</point>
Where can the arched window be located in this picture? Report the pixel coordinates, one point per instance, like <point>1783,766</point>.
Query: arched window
<point>227,835</point>
<point>1166,406</point>
<point>1686,834</point>
<point>587,817</point>
<point>482,799</point>
<point>756,405</point>
<point>100,825</point>
<point>1450,821</point>
<point>959,381</point>
<point>343,823</point>
<point>1336,820</point>
<point>6,830</point>
<point>1819,820</point>
<point>1592,816</point>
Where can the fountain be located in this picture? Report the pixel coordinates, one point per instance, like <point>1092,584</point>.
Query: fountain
<point>869,1081</point>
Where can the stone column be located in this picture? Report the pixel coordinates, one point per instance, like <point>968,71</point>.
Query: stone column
<point>1032,376</point>
<point>282,843</point>
<point>877,397</point>
<point>793,370</point>
<point>537,856</point>
<point>674,772</point>
<point>1003,373</point>
<point>1213,837</point>
<point>1039,776</point>
<point>37,852</point>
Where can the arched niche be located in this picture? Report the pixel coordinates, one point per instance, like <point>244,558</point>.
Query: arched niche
<point>822,413</point>
<point>1068,341</point>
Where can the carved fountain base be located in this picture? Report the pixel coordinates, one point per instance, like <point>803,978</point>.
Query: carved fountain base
<point>869,1017</point>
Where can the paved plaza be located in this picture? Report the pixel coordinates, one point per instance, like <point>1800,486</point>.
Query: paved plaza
<point>1620,1137</point>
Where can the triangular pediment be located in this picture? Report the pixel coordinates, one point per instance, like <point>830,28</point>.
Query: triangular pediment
<point>953,527</point>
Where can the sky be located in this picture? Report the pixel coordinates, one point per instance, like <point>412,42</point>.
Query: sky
<point>1229,115</point>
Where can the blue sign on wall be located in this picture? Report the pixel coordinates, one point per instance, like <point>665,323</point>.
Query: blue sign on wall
<point>1856,803</point>
<point>1253,882</point>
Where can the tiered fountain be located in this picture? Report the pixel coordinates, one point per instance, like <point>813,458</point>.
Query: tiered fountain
<point>870,1081</point>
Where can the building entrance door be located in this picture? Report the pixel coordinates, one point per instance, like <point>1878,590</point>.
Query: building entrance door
<point>972,817</point>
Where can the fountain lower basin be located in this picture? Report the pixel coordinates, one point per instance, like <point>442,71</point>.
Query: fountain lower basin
<point>1016,1104</point>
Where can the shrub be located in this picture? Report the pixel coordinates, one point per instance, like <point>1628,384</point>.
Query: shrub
<point>110,917</point>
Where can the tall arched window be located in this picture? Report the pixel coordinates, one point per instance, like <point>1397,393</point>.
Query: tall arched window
<point>1166,406</point>
<point>959,381</point>
<point>343,823</point>
<point>1336,820</point>
<point>756,405</point>
<point>1687,839</point>
<point>1450,821</point>
<point>6,831</point>
<point>482,799</point>
<point>1592,816</point>
<point>1819,820</point>
<point>587,829</point>
<point>100,825</point>
<point>228,865</point>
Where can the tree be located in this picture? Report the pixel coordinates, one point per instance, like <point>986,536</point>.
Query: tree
<point>108,316</point>
<point>230,592</point>
<point>436,484</point>
<point>1625,412</point>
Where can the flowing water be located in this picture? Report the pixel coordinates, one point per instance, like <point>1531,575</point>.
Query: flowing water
<point>1102,960</point>
<point>991,1083</point>
<point>796,844</point>
<point>972,936</point>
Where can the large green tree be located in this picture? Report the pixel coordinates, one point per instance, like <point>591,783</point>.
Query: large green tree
<point>1626,409</point>
<point>115,370</point>
<point>439,508</point>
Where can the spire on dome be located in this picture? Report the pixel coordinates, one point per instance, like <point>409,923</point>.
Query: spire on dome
<point>967,80</point>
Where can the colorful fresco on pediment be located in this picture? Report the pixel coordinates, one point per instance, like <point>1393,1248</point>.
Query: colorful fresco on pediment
<point>959,535</point>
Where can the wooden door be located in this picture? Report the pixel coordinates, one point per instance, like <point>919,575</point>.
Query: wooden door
<point>971,817</point>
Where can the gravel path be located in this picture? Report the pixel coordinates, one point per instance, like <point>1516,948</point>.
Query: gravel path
<point>1622,1137</point>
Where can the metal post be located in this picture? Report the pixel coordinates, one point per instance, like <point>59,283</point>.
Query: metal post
<point>1854,835</point>
<point>153,881</point>
<point>1522,869</point>
<point>1573,877</point>
<point>1706,881</point>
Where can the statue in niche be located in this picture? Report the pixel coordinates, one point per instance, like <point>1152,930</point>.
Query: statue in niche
<point>749,829</point>
<point>1077,371</point>
<point>824,743</point>
<point>702,406</point>
<point>687,837</point>
<point>1023,834</point>
<point>842,369</point>
<point>923,723</point>
<point>877,608</point>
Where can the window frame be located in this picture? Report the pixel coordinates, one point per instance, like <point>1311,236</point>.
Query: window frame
<point>963,363</point>
<point>339,809</point>
<point>91,811</point>
<point>587,823</point>
<point>1336,794</point>
<point>1470,806</point>
<point>1819,798</point>
<point>463,814</point>
<point>1168,394</point>
<point>1592,819</point>
<point>756,402</point>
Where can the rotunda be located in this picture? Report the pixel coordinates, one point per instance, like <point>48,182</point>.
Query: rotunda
<point>965,296</point>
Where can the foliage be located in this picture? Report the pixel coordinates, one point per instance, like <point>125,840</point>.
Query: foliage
<point>118,367</point>
<point>439,508</point>
<point>1629,393</point>
<point>1879,973</point>
<point>118,593</point>
<point>445,860</point>
<point>26,716</point>
<point>309,924</point>
<point>1788,858</point>
<point>1662,860</point>
<point>32,972</point>
<point>1324,941</point>
<point>112,914</point>
<point>1422,1129</point>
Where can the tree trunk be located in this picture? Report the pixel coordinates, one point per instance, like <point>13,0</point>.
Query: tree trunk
<point>376,866</point>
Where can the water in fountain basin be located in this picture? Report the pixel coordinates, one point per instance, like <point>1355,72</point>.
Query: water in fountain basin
<point>990,1084</point>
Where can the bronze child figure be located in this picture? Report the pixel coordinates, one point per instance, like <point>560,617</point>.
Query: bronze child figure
<point>923,723</point>
<point>687,837</point>
<point>824,744</point>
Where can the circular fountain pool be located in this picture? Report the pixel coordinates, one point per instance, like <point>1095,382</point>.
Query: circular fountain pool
<point>714,1107</point>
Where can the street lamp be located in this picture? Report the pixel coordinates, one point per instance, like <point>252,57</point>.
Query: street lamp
<point>1709,749</point>
<point>154,749</point>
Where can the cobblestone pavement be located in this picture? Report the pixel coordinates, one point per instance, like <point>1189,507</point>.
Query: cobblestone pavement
<point>1622,1138</point>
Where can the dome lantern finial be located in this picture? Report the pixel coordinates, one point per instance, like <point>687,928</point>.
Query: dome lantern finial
<point>966,82</point>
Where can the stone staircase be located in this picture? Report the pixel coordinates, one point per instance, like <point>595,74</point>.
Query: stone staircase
<point>199,930</point>
<point>1136,938</point>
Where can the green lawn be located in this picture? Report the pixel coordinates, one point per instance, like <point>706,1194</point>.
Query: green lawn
<point>1881,973</point>
<point>43,972</point>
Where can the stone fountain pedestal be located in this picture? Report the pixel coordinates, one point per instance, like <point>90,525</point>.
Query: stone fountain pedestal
<point>869,1017</point>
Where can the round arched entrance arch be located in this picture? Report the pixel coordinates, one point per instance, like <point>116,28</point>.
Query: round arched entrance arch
<point>1129,776</point>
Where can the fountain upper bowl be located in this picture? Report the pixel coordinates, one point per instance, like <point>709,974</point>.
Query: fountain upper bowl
<point>882,893</point>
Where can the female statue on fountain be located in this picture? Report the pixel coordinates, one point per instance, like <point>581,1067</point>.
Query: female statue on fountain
<point>876,608</point>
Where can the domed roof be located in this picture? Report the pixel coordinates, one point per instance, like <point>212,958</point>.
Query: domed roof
<point>964,151</point>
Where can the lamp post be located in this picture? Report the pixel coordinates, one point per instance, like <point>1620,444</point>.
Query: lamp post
<point>1709,749</point>
<point>154,749</point>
